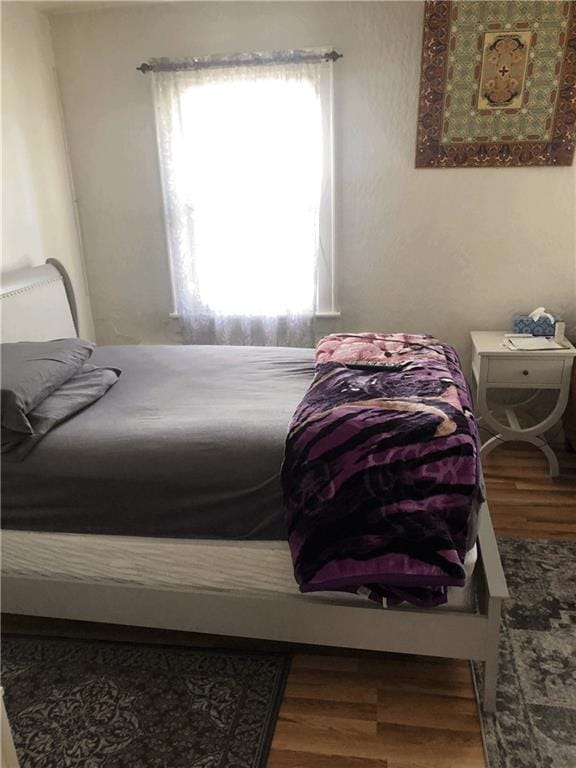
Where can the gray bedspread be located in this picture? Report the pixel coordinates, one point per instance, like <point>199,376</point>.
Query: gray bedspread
<point>188,443</point>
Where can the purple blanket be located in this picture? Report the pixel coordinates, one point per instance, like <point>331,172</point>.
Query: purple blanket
<point>381,476</point>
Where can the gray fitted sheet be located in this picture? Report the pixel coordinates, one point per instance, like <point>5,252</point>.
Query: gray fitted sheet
<point>188,443</point>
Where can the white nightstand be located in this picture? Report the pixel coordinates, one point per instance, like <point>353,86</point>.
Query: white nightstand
<point>495,366</point>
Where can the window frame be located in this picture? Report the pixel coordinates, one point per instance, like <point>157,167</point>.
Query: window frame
<point>326,284</point>
<point>326,301</point>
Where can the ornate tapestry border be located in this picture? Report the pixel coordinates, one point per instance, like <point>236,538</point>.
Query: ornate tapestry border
<point>432,153</point>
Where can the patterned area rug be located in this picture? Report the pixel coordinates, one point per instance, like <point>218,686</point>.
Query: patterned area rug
<point>85,704</point>
<point>535,724</point>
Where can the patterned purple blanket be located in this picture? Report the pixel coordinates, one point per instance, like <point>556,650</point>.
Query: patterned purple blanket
<point>381,476</point>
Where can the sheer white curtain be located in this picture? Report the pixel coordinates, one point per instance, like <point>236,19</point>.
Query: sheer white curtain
<point>241,153</point>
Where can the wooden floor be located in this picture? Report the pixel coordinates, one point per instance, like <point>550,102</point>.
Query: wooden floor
<point>524,501</point>
<point>369,710</point>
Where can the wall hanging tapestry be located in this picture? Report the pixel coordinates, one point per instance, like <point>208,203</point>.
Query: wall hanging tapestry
<point>498,84</point>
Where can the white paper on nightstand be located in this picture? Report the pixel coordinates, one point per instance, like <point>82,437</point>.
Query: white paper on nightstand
<point>533,343</point>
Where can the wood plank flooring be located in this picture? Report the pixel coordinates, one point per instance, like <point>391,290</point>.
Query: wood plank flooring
<point>390,711</point>
<point>524,501</point>
<point>369,710</point>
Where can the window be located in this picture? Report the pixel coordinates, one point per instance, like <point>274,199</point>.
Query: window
<point>246,162</point>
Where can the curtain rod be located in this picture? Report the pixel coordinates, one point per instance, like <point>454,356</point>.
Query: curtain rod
<point>237,60</point>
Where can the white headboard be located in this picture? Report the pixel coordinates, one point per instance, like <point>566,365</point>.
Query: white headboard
<point>38,304</point>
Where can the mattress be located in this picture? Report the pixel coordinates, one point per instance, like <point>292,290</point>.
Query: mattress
<point>247,567</point>
<point>188,443</point>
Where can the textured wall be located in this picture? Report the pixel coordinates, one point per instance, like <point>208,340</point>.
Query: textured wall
<point>38,215</point>
<point>442,251</point>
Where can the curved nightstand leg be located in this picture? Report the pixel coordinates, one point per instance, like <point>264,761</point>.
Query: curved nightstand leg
<point>551,456</point>
<point>489,445</point>
<point>538,442</point>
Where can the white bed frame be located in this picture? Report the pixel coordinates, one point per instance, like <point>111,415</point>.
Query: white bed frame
<point>436,632</point>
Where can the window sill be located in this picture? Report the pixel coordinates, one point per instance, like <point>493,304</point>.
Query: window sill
<point>320,315</point>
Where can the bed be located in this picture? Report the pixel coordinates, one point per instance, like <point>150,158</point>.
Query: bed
<point>173,550</point>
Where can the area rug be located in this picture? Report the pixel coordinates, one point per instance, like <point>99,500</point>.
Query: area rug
<point>535,723</point>
<point>86,704</point>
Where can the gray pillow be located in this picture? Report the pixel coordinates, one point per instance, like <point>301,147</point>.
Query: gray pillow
<point>87,386</point>
<point>32,370</point>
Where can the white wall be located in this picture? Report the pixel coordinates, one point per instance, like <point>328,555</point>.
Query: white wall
<point>440,251</point>
<point>38,215</point>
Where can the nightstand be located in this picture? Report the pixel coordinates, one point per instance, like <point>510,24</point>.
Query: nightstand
<point>495,366</point>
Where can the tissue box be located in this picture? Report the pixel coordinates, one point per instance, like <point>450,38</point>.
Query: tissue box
<point>525,324</point>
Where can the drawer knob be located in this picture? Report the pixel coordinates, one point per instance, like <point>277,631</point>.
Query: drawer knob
<point>524,372</point>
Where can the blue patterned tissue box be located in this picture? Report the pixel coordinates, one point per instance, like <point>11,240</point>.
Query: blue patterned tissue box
<point>525,324</point>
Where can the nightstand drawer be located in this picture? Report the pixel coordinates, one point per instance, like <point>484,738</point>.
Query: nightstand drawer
<point>525,372</point>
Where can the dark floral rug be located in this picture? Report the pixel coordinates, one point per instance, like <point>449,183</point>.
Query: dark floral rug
<point>87,704</point>
<point>535,723</point>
